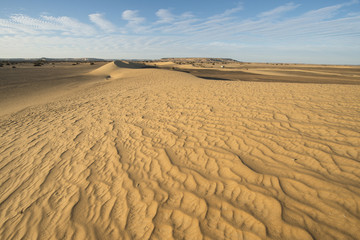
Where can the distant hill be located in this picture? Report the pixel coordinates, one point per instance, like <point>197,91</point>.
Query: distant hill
<point>53,59</point>
<point>199,60</point>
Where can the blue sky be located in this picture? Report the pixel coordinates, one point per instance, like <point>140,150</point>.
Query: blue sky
<point>316,31</point>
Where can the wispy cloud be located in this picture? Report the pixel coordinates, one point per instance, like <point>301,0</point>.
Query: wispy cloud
<point>132,17</point>
<point>165,16</point>
<point>101,22</point>
<point>228,12</point>
<point>279,10</point>
<point>69,25</point>
<point>22,24</point>
<point>135,22</point>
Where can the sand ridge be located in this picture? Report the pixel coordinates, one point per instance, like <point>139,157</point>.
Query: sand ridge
<point>158,154</point>
<point>27,85</point>
<point>264,72</point>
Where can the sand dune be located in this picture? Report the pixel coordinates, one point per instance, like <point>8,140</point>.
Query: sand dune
<point>162,154</point>
<point>27,85</point>
<point>267,72</point>
<point>116,66</point>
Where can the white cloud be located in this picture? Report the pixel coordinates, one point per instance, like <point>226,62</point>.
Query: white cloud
<point>228,12</point>
<point>70,25</point>
<point>22,24</point>
<point>322,13</point>
<point>104,24</point>
<point>132,17</point>
<point>279,10</point>
<point>165,16</point>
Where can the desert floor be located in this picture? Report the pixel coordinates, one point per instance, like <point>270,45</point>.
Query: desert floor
<point>116,151</point>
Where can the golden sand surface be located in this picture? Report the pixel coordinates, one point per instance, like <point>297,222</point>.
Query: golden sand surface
<point>132,153</point>
<point>265,72</point>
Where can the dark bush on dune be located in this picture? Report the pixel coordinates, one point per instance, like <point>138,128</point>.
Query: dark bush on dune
<point>38,63</point>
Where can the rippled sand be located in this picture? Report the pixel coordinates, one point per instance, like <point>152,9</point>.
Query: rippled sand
<point>157,154</point>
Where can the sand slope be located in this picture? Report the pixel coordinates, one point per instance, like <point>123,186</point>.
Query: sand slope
<point>160,154</point>
<point>27,85</point>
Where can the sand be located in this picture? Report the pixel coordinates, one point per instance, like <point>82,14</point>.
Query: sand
<point>267,72</point>
<point>27,85</point>
<point>137,153</point>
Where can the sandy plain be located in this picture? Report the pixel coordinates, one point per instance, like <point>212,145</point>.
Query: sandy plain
<point>118,151</point>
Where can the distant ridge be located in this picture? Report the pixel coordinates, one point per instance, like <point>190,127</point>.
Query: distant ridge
<point>199,60</point>
<point>53,59</point>
<point>175,60</point>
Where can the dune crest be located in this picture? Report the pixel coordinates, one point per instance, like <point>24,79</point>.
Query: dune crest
<point>157,154</point>
<point>115,69</point>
